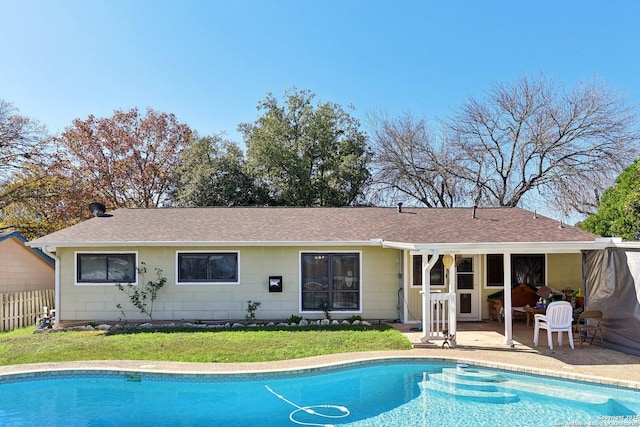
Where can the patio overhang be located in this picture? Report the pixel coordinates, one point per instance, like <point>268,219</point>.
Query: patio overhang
<point>506,247</point>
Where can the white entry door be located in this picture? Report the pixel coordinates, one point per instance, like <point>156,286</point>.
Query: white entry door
<point>468,288</point>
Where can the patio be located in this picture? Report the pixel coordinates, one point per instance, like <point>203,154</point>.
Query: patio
<point>484,342</point>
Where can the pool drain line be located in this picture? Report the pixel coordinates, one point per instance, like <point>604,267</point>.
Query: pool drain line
<point>312,410</point>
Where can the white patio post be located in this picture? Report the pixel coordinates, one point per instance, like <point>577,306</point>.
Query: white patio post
<point>426,289</point>
<point>508,323</point>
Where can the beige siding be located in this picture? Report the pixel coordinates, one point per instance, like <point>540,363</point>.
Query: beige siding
<point>23,270</point>
<point>414,304</point>
<point>381,281</point>
<point>564,271</point>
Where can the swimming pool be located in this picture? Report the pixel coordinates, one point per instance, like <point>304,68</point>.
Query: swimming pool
<point>376,393</point>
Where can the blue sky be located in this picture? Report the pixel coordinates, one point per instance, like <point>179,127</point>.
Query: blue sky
<point>210,62</point>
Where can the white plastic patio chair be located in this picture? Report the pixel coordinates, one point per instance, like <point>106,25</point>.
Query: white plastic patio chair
<point>558,318</point>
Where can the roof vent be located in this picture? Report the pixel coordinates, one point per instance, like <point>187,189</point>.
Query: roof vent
<point>400,207</point>
<point>97,209</point>
<point>473,214</point>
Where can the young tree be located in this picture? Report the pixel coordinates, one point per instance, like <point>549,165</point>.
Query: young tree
<point>619,212</point>
<point>213,172</point>
<point>126,159</point>
<point>309,155</point>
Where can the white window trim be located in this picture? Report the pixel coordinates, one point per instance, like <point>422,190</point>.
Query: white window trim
<point>311,251</point>
<point>75,268</point>
<point>207,283</point>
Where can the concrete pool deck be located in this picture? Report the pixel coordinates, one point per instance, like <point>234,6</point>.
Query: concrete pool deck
<point>479,343</point>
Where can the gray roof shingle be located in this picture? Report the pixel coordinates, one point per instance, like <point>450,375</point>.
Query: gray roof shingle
<point>289,225</point>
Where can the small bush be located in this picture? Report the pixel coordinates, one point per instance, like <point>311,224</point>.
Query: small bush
<point>353,318</point>
<point>252,306</point>
<point>294,318</point>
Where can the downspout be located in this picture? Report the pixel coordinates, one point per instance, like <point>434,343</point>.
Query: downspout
<point>57,284</point>
<point>426,289</point>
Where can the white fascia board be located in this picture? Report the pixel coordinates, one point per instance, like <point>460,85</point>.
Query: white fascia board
<point>373,242</point>
<point>516,247</point>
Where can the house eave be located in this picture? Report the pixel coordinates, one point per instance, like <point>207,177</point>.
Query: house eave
<point>372,242</point>
<point>502,247</point>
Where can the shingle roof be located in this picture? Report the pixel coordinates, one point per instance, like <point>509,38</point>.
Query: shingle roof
<point>289,225</point>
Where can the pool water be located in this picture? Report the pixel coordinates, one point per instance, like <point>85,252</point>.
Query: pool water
<point>378,393</point>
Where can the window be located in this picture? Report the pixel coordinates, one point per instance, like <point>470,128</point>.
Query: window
<point>529,269</point>
<point>106,268</point>
<point>437,271</point>
<point>330,281</point>
<point>525,268</point>
<point>495,270</point>
<point>208,267</point>
<point>464,273</point>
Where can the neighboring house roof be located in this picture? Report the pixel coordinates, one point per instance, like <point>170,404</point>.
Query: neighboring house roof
<point>15,235</point>
<point>290,225</point>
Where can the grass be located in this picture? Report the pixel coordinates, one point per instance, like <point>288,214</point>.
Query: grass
<point>183,345</point>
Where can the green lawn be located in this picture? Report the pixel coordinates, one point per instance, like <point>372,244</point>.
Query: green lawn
<point>246,345</point>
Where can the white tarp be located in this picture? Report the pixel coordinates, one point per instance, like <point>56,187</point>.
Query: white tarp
<point>612,285</point>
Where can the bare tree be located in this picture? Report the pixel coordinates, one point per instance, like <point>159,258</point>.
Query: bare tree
<point>411,164</point>
<point>521,142</point>
<point>568,144</point>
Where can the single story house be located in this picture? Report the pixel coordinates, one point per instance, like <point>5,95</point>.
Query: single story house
<point>375,262</point>
<point>23,268</point>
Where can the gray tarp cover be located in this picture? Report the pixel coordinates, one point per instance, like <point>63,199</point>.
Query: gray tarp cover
<point>612,285</point>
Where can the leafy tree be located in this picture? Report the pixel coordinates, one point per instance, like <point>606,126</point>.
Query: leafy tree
<point>44,202</point>
<point>126,160</point>
<point>308,155</point>
<point>520,141</point>
<point>619,212</point>
<point>24,144</point>
<point>213,172</point>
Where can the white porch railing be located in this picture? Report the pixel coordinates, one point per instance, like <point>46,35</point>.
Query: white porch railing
<point>442,315</point>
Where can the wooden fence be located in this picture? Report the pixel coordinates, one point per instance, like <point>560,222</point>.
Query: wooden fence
<point>20,309</point>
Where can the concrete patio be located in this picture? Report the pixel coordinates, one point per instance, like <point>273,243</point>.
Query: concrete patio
<point>484,343</point>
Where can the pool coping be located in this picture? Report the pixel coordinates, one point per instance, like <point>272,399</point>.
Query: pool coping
<point>289,367</point>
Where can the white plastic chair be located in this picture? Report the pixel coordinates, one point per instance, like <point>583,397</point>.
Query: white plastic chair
<point>558,318</point>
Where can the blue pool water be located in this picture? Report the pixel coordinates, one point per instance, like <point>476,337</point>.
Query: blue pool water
<point>379,393</point>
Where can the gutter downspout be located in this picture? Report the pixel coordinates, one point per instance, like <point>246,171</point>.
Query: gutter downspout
<point>57,284</point>
<point>426,300</point>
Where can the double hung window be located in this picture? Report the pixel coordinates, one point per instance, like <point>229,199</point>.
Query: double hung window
<point>330,281</point>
